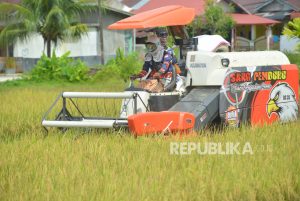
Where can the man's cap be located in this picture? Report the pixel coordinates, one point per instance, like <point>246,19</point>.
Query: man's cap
<point>161,32</point>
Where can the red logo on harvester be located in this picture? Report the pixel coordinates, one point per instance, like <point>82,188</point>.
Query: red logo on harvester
<point>239,77</point>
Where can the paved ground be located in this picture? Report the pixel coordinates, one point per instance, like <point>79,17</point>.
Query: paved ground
<point>4,77</point>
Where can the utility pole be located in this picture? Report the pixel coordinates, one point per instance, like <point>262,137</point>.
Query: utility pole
<point>101,33</point>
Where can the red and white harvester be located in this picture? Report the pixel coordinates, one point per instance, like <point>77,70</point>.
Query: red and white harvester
<point>226,87</point>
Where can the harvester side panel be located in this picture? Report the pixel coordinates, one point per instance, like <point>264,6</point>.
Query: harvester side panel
<point>206,69</point>
<point>260,94</point>
<point>203,103</point>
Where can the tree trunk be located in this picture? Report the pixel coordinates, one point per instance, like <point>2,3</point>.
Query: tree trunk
<point>49,48</point>
<point>44,46</point>
<point>101,33</point>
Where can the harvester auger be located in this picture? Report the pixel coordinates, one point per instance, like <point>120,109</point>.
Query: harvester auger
<point>255,87</point>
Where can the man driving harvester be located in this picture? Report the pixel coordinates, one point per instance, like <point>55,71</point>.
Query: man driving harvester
<point>158,61</point>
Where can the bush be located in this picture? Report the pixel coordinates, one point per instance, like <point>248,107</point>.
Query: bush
<point>294,58</point>
<point>59,68</point>
<point>214,21</point>
<point>120,67</point>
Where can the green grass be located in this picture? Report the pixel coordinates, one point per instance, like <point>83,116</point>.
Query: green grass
<point>294,58</point>
<point>112,165</point>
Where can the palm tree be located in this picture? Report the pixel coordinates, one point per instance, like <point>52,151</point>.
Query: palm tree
<point>292,29</point>
<point>55,20</point>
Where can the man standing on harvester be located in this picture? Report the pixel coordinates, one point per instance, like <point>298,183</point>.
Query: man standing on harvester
<point>162,33</point>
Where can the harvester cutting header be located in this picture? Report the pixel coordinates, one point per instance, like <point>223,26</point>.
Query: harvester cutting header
<point>226,87</point>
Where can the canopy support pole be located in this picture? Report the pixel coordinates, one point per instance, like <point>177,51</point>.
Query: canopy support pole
<point>134,39</point>
<point>269,34</point>
<point>253,36</point>
<point>233,31</point>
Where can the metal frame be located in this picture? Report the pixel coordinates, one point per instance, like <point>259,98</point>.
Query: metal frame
<point>65,120</point>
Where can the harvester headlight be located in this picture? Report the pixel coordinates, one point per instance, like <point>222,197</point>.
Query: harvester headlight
<point>225,62</point>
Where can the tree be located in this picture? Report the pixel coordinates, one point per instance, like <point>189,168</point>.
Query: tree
<point>55,20</point>
<point>214,21</point>
<point>292,30</point>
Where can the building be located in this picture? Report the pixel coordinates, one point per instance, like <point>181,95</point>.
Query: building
<point>259,23</point>
<point>280,10</point>
<point>88,48</point>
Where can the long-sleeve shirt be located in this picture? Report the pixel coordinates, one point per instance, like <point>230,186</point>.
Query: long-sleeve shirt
<point>164,68</point>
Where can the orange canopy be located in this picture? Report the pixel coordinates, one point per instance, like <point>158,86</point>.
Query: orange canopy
<point>163,16</point>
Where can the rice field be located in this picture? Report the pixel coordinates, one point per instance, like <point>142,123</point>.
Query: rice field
<point>113,165</point>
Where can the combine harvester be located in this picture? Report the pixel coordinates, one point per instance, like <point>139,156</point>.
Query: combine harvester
<point>228,87</point>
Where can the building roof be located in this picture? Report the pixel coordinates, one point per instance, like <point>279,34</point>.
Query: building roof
<point>111,5</point>
<point>130,3</point>
<point>117,10</point>
<point>199,5</point>
<point>10,1</point>
<point>295,4</point>
<point>253,6</point>
<point>295,15</point>
<point>246,19</point>
<point>272,9</point>
<point>249,6</point>
<point>135,4</point>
